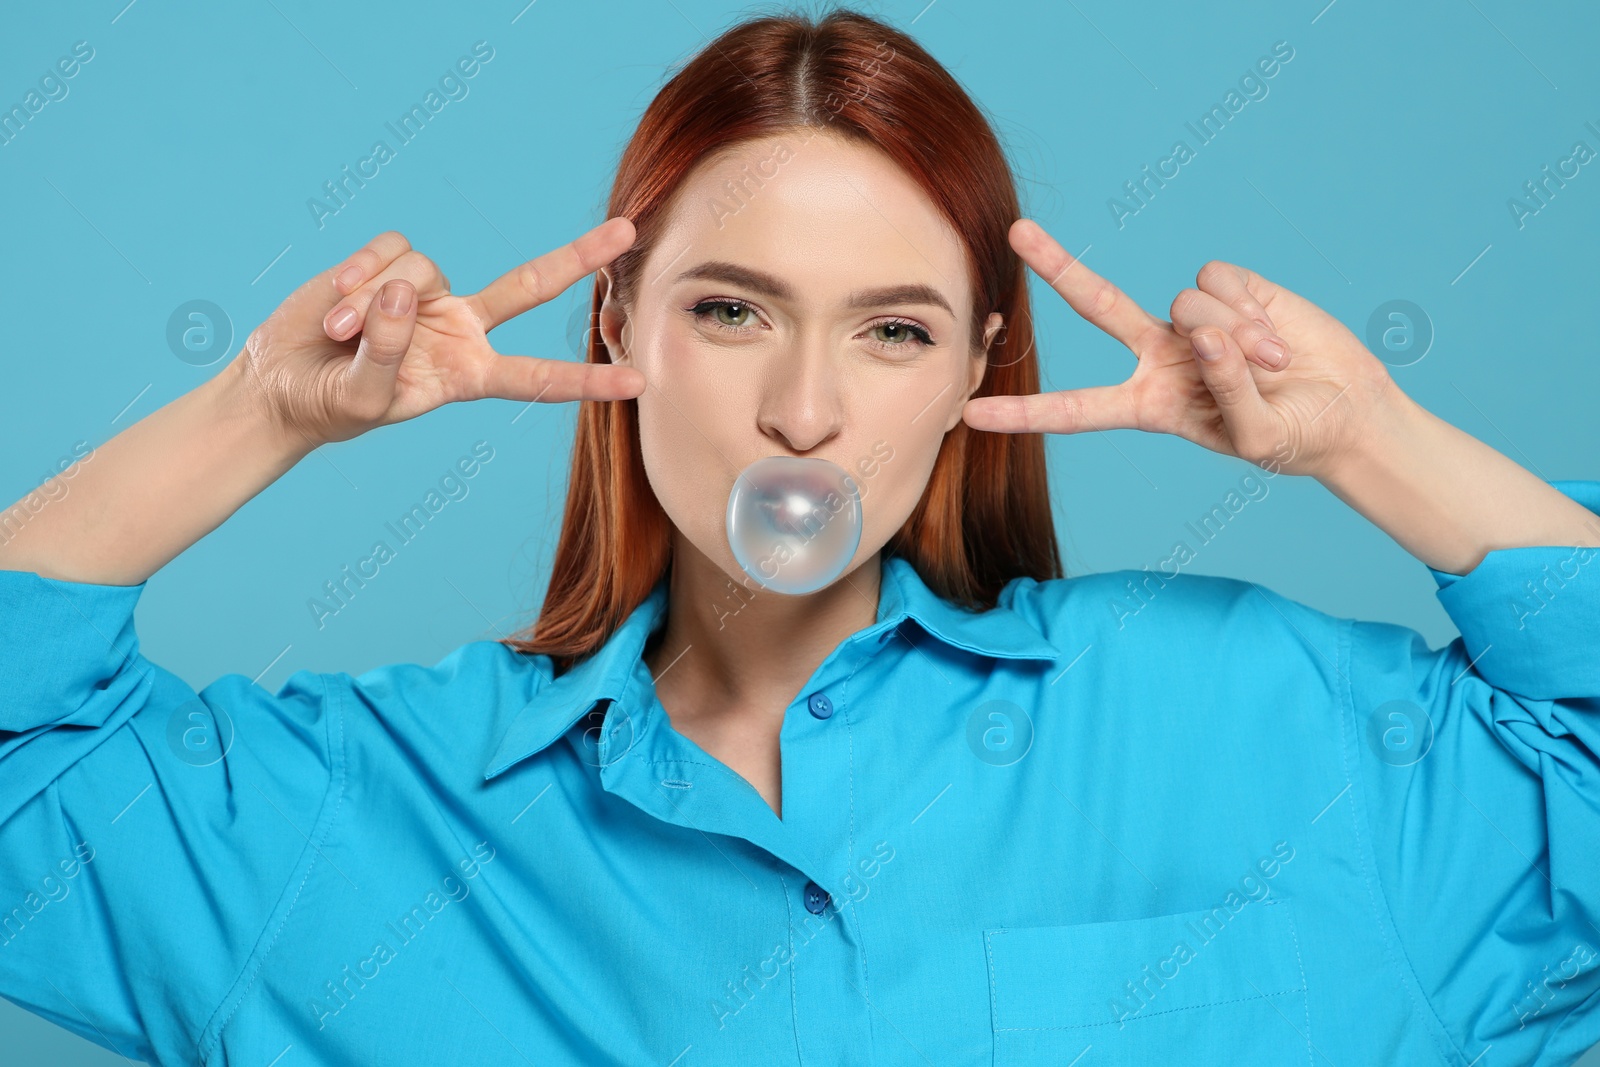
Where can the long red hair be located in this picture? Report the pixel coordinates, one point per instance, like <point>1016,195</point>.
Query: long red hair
<point>984,517</point>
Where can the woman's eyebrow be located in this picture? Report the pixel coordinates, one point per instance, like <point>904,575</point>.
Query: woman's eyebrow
<point>764,284</point>
<point>759,282</point>
<point>898,294</point>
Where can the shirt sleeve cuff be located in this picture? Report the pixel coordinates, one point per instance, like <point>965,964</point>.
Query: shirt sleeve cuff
<point>1530,616</point>
<point>60,641</point>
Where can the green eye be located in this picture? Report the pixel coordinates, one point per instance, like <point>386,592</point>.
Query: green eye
<point>727,313</point>
<point>900,334</point>
<point>737,316</point>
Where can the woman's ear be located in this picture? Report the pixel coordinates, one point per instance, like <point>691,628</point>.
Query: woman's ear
<point>980,361</point>
<point>616,329</point>
<point>977,364</point>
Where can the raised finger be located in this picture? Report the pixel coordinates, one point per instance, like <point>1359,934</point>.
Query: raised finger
<point>341,321</point>
<point>536,281</point>
<point>1193,309</point>
<point>553,381</point>
<point>1230,283</point>
<point>367,261</point>
<point>1090,295</point>
<point>1099,407</point>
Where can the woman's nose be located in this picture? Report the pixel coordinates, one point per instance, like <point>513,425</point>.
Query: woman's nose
<point>802,402</point>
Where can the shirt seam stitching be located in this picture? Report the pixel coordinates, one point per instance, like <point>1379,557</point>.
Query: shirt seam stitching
<point>1305,1001</point>
<point>1375,891</point>
<point>1164,1011</point>
<point>258,955</point>
<point>850,835</point>
<point>794,1002</point>
<point>994,1009</point>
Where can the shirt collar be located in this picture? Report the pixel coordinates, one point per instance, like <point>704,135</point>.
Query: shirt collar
<point>606,674</point>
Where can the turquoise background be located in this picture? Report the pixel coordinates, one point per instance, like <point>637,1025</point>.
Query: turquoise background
<point>178,166</point>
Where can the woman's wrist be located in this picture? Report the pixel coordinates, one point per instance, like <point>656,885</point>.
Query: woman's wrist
<point>138,500</point>
<point>1446,497</point>
<point>1392,475</point>
<point>237,395</point>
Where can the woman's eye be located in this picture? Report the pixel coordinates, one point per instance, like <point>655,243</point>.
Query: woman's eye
<point>896,334</point>
<point>735,312</point>
<point>739,316</point>
<point>728,313</point>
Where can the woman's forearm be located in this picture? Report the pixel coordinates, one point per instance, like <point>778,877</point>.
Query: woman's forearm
<point>1447,497</point>
<point>154,489</point>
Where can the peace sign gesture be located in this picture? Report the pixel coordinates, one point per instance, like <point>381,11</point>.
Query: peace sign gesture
<point>1208,375</point>
<point>380,338</point>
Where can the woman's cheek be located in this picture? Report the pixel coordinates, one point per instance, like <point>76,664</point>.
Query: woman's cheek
<point>685,433</point>
<point>902,477</point>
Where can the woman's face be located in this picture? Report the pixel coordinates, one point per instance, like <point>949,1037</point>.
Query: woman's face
<point>805,298</point>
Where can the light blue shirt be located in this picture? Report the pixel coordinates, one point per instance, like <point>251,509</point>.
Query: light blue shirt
<point>1133,817</point>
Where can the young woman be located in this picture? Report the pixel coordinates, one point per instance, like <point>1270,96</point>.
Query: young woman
<point>954,808</point>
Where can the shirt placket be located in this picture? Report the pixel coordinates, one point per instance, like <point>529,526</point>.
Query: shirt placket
<point>828,961</point>
<point>645,762</point>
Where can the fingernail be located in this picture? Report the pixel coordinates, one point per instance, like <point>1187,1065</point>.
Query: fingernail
<point>1209,345</point>
<point>349,278</point>
<point>1271,351</point>
<point>395,298</point>
<point>340,323</point>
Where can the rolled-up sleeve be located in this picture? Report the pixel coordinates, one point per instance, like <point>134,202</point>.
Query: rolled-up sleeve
<point>1479,787</point>
<point>152,836</point>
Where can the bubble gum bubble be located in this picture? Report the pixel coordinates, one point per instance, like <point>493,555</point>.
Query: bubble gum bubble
<point>794,523</point>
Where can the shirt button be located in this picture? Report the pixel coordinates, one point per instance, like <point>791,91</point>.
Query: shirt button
<point>820,705</point>
<point>816,898</point>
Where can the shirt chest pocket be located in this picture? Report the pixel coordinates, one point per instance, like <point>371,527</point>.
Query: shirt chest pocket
<point>1198,987</point>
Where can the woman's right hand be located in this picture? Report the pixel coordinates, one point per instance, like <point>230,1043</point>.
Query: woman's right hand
<point>380,339</point>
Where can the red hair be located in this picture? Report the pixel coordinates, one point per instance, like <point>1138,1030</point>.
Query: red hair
<point>984,517</point>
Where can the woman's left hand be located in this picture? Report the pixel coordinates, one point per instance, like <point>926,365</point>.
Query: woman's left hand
<point>1298,416</point>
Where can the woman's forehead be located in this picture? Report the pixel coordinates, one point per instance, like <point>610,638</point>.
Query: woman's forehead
<point>826,216</point>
